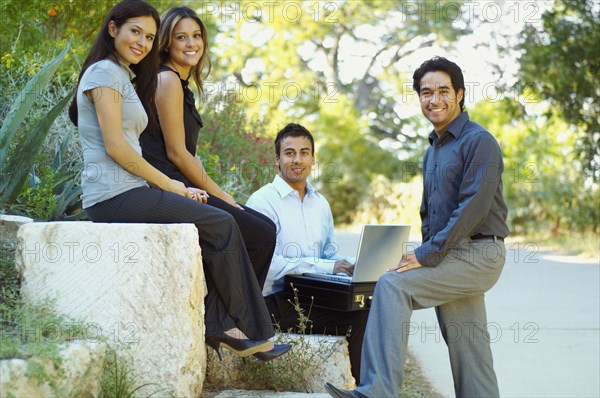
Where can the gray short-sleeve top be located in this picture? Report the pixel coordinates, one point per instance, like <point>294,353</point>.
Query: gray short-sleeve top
<point>102,177</point>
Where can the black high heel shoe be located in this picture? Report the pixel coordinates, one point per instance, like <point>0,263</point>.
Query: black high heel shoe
<point>215,343</point>
<point>277,351</point>
<point>240,347</point>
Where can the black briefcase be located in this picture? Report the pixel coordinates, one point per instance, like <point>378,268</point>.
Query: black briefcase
<point>330,294</point>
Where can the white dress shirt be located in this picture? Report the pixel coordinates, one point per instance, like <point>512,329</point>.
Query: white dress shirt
<point>305,241</point>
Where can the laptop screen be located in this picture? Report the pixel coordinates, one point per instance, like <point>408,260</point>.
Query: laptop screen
<point>381,247</point>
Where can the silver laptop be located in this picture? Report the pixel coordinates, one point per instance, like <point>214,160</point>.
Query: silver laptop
<point>381,247</point>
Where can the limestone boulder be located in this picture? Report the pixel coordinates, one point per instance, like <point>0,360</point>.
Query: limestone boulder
<point>139,286</point>
<point>313,361</point>
<point>78,374</point>
<point>9,226</point>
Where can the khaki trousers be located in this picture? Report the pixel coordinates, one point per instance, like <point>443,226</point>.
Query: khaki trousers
<point>456,289</point>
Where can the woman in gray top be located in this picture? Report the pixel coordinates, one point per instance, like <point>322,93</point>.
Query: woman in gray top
<point>120,186</point>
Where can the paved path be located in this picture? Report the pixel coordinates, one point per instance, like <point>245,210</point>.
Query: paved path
<point>268,394</point>
<point>544,320</point>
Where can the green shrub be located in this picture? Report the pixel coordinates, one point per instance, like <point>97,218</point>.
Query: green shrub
<point>235,151</point>
<point>38,199</point>
<point>39,161</point>
<point>392,201</point>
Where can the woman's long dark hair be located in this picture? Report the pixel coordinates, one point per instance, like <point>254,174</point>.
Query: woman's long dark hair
<point>104,48</point>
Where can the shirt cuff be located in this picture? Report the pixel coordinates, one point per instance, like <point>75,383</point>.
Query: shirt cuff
<point>327,265</point>
<point>428,257</point>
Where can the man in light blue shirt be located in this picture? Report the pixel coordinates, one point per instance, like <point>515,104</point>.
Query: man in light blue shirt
<point>305,240</point>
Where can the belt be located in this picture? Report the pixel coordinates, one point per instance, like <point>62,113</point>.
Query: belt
<point>487,237</point>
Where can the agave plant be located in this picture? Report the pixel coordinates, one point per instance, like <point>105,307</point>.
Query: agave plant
<point>23,155</point>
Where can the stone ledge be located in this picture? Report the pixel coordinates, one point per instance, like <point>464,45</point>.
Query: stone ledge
<point>140,286</point>
<point>327,357</point>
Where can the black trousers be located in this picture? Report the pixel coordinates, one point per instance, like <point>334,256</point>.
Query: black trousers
<point>351,324</point>
<point>234,296</point>
<point>258,232</point>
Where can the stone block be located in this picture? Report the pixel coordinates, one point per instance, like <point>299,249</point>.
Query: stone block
<point>9,226</point>
<point>78,375</point>
<point>313,361</point>
<point>139,286</point>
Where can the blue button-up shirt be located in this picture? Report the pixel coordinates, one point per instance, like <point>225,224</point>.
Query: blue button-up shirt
<point>462,192</point>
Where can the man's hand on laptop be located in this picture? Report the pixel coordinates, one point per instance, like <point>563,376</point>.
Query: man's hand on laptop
<point>408,261</point>
<point>343,267</point>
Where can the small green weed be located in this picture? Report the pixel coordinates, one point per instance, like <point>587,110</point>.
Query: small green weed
<point>294,370</point>
<point>118,379</point>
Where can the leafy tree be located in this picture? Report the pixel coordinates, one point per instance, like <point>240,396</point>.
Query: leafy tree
<point>290,57</point>
<point>563,59</point>
<point>347,160</point>
<point>545,191</point>
<point>288,61</point>
<point>37,26</point>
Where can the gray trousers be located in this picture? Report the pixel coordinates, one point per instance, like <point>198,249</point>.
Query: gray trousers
<point>455,287</point>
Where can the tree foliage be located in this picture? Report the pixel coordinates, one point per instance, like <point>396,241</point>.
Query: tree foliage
<point>291,58</point>
<point>543,186</point>
<point>563,59</point>
<point>36,26</point>
<point>290,61</point>
<point>339,67</point>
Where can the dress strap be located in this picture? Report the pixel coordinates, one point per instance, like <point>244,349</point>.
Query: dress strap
<point>165,68</point>
<point>188,95</point>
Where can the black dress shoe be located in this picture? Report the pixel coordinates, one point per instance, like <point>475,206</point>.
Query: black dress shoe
<point>339,393</point>
<point>277,351</point>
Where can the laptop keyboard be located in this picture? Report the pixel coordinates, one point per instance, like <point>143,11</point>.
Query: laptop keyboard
<point>331,277</point>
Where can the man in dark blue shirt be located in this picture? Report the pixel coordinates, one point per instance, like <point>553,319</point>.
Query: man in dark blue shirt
<point>462,254</point>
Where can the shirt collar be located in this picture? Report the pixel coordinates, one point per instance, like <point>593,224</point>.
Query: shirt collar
<point>285,189</point>
<point>127,69</point>
<point>455,127</point>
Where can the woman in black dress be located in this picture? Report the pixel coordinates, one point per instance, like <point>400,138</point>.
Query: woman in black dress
<point>169,144</point>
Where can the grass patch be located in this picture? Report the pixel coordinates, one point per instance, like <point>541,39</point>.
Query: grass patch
<point>415,384</point>
<point>574,244</point>
<point>293,371</point>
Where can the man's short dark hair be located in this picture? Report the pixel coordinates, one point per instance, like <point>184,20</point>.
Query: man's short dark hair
<point>293,130</point>
<point>436,64</point>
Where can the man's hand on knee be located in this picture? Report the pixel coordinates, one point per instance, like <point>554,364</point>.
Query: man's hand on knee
<point>408,261</point>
